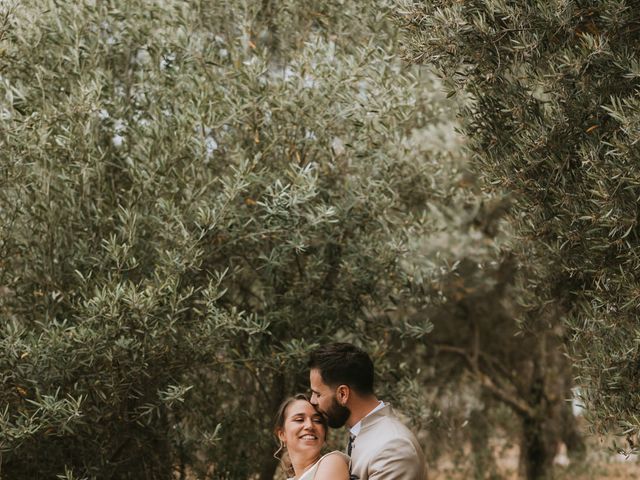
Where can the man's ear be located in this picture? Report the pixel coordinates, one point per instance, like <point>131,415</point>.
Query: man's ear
<point>343,393</point>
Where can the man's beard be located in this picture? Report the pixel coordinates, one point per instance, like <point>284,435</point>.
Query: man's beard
<point>337,415</point>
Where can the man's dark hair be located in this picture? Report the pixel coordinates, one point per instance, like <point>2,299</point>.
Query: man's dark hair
<point>343,364</point>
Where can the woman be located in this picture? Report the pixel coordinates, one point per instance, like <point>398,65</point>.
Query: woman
<point>302,431</point>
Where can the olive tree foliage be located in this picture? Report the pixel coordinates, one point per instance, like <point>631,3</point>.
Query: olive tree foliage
<point>192,195</point>
<point>553,122</point>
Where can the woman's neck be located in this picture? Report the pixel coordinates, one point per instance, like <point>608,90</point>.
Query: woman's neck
<point>301,464</point>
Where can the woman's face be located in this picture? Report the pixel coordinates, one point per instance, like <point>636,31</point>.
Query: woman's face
<point>303,429</point>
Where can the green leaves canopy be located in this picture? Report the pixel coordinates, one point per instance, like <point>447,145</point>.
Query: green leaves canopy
<point>192,195</point>
<point>553,120</point>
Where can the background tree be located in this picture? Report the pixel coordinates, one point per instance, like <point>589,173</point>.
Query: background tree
<point>192,195</point>
<point>492,346</point>
<point>553,122</point>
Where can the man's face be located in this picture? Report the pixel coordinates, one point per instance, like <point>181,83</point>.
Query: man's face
<point>323,397</point>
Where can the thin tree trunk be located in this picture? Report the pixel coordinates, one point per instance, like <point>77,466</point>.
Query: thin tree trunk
<point>269,464</point>
<point>570,433</point>
<point>541,431</point>
<point>268,469</point>
<point>538,449</point>
<point>483,463</point>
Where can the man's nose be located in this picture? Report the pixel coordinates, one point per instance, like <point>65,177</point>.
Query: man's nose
<point>312,400</point>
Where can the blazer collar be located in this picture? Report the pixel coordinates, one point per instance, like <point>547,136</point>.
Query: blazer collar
<point>375,417</point>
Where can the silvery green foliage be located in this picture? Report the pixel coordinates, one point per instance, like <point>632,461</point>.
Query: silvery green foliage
<point>554,121</point>
<point>193,194</point>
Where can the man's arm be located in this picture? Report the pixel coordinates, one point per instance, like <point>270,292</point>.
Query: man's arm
<point>397,460</point>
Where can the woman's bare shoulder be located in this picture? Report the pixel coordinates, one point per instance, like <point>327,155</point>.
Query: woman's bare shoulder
<point>333,466</point>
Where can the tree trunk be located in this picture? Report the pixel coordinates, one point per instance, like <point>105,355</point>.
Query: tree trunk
<point>570,433</point>
<point>571,436</point>
<point>483,463</point>
<point>538,448</point>
<point>268,469</point>
<point>541,431</point>
<point>268,464</point>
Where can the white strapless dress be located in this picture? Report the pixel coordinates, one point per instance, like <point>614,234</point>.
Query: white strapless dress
<point>311,473</point>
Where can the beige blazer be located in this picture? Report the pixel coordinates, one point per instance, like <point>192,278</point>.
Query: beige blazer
<point>386,450</point>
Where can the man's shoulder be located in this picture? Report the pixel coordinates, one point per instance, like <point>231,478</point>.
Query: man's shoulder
<point>388,445</point>
<point>391,425</point>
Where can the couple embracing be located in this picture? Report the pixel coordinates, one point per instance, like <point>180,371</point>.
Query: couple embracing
<point>380,447</point>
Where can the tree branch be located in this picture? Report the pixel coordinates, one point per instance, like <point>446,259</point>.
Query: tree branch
<point>517,404</point>
<point>520,406</point>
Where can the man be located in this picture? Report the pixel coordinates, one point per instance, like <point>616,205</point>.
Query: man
<point>380,446</point>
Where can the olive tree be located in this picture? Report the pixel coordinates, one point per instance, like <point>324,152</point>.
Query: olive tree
<point>193,195</point>
<point>551,121</point>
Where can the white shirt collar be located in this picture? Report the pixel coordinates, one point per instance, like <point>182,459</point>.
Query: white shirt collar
<point>355,430</point>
